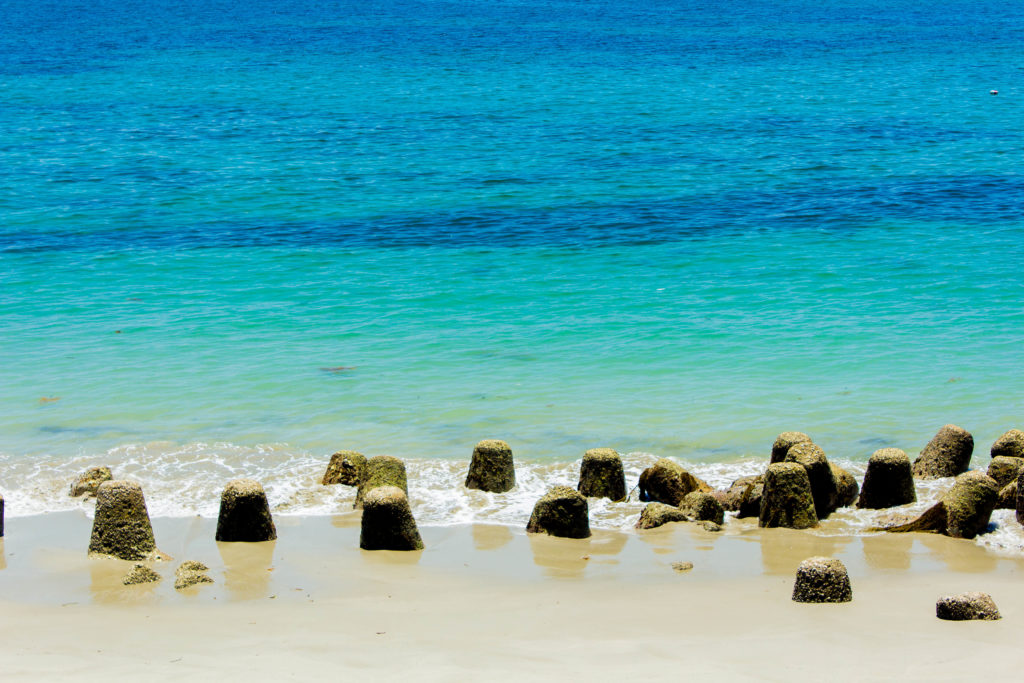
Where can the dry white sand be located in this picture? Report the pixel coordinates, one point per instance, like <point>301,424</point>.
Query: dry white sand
<point>492,603</point>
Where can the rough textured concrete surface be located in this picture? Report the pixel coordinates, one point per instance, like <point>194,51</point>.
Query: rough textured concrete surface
<point>787,500</point>
<point>387,522</point>
<point>822,579</point>
<point>381,470</point>
<point>562,511</point>
<point>785,441</point>
<point>702,507</point>
<point>140,573</point>
<point>492,467</point>
<point>658,514</point>
<point>888,481</point>
<point>1010,444</point>
<point>667,482</point>
<point>121,526</point>
<point>90,480</point>
<point>244,513</point>
<point>823,484</point>
<point>946,455</point>
<point>601,475</point>
<point>967,607</point>
<point>346,467</point>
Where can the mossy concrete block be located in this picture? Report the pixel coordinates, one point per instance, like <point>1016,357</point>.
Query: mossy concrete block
<point>387,522</point>
<point>1005,469</point>
<point>787,499</point>
<point>658,514</point>
<point>967,607</point>
<point>90,480</point>
<point>121,526</point>
<point>601,475</point>
<point>1010,444</point>
<point>381,470</point>
<point>888,481</point>
<point>667,482</point>
<point>946,455</point>
<point>1019,505</point>
<point>823,485</point>
<point>346,467</point>
<point>846,488</point>
<point>785,441</point>
<point>962,512</point>
<point>822,579</point>
<point>562,511</point>
<point>1007,497</point>
<point>750,501</point>
<point>969,504</point>
<point>191,566</point>
<point>732,497</point>
<point>140,573</point>
<point>492,467</point>
<point>702,507</point>
<point>244,513</point>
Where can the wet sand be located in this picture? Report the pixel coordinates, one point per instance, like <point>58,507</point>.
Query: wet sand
<point>491,602</point>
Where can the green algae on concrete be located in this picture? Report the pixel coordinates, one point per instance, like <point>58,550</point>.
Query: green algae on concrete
<point>601,475</point>
<point>962,512</point>
<point>387,522</point>
<point>1004,469</point>
<point>658,514</point>
<point>346,467</point>
<point>823,485</point>
<point>1010,444</point>
<point>667,482</point>
<point>787,499</point>
<point>382,470</point>
<point>702,507</point>
<point>121,526</point>
<point>785,441</point>
<point>244,513</point>
<point>946,455</point>
<point>562,511</point>
<point>492,467</point>
<point>846,488</point>
<point>888,481</point>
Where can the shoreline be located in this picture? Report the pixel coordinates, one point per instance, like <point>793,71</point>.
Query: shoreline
<point>494,601</point>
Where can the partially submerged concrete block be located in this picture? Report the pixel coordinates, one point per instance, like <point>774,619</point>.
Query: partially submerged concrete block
<point>492,468</point>
<point>658,514</point>
<point>190,573</point>
<point>121,526</point>
<point>90,480</point>
<point>888,481</point>
<point>387,522</point>
<point>946,455</point>
<point>822,579</point>
<point>346,467</point>
<point>562,511</point>
<point>244,513</point>
<point>601,475</point>
<point>667,482</point>
<point>963,512</point>
<point>382,470</point>
<point>702,507</point>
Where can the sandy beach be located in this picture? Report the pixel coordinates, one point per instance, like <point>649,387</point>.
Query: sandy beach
<point>494,603</point>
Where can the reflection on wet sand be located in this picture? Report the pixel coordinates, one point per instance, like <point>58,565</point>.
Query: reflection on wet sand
<point>958,554</point>
<point>569,557</point>
<point>347,520</point>
<point>106,576</point>
<point>247,568</point>
<point>888,551</point>
<point>782,550</point>
<point>3,555</point>
<point>491,536</point>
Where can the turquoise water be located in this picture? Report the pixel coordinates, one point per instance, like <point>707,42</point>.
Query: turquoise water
<point>259,233</point>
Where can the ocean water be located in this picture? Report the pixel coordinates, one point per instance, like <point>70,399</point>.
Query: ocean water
<point>236,237</point>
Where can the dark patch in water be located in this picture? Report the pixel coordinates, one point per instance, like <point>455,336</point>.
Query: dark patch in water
<point>876,442</point>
